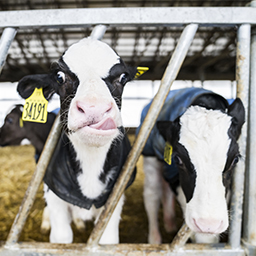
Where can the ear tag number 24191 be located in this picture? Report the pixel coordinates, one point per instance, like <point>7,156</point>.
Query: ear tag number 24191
<point>35,108</point>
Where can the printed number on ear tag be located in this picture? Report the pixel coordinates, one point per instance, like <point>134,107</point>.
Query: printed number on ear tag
<point>168,153</point>
<point>35,108</point>
<point>141,71</point>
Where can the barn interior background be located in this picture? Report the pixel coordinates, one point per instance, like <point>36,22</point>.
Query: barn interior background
<point>210,62</point>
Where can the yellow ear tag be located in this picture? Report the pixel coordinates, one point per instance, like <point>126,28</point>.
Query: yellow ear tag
<point>35,108</point>
<point>21,123</point>
<point>168,153</point>
<point>141,71</point>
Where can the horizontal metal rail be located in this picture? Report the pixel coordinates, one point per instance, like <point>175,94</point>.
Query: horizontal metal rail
<point>46,249</point>
<point>154,16</point>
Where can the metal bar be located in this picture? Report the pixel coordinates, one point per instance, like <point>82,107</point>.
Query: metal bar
<point>43,162</point>
<point>249,231</point>
<point>5,43</point>
<point>141,16</point>
<point>98,32</point>
<point>37,178</point>
<point>181,238</point>
<point>169,76</point>
<point>242,79</point>
<point>46,249</point>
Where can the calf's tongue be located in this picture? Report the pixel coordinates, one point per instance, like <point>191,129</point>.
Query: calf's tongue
<point>107,124</point>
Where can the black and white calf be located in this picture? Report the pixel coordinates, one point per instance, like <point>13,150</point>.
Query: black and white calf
<point>89,78</point>
<point>203,130</point>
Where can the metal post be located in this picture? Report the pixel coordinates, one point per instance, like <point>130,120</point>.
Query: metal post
<point>98,32</point>
<point>242,79</point>
<point>43,162</point>
<point>169,76</point>
<point>5,43</point>
<point>37,178</point>
<point>249,231</point>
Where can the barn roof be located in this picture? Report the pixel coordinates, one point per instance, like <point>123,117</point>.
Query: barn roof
<point>211,55</point>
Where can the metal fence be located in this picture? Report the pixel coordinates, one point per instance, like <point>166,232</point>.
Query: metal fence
<point>244,18</point>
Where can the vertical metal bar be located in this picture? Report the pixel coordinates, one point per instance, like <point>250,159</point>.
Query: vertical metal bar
<point>43,162</point>
<point>98,32</point>
<point>5,43</point>
<point>242,79</point>
<point>249,231</point>
<point>150,119</point>
<point>37,178</point>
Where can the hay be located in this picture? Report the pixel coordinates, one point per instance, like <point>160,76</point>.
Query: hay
<point>17,166</point>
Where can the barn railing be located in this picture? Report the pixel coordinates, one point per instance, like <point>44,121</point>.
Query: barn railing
<point>191,18</point>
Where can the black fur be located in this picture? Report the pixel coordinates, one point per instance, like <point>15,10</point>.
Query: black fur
<point>112,80</point>
<point>12,133</point>
<point>187,174</point>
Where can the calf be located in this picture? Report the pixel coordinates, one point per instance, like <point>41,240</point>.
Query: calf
<point>89,78</point>
<point>202,131</point>
<point>14,130</point>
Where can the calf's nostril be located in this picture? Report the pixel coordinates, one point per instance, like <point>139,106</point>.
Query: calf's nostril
<point>80,109</point>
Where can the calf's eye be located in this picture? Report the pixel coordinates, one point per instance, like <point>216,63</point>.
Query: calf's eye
<point>9,120</point>
<point>123,78</point>
<point>235,161</point>
<point>178,160</point>
<point>60,77</point>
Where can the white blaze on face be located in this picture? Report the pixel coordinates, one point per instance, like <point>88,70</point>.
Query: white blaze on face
<point>204,133</point>
<point>93,114</point>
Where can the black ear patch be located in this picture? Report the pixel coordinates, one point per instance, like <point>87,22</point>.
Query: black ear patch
<point>237,112</point>
<point>187,175</point>
<point>27,85</point>
<point>169,130</point>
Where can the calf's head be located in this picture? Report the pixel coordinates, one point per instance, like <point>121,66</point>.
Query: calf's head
<point>205,151</point>
<point>12,132</point>
<point>89,78</point>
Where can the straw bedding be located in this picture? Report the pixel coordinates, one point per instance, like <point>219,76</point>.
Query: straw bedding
<point>17,166</point>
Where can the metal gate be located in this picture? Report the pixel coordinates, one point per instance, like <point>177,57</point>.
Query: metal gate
<point>244,18</point>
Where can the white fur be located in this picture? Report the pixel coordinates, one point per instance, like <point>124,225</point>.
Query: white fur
<point>97,93</point>
<point>92,91</point>
<point>204,133</point>
<point>91,161</point>
<point>90,57</point>
<point>62,213</point>
<point>92,105</point>
<point>153,194</point>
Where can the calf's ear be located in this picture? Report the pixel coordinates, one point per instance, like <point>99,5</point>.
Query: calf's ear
<point>237,112</point>
<point>132,73</point>
<point>27,85</point>
<point>169,130</point>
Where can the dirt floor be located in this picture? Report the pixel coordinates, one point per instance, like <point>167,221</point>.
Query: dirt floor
<point>17,165</point>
